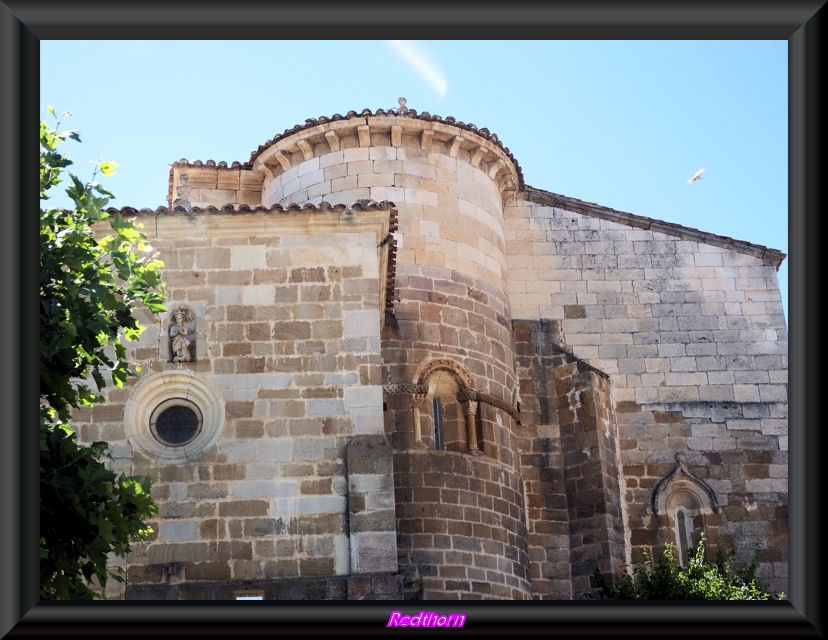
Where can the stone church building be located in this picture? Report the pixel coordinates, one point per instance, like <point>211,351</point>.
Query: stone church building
<point>390,369</point>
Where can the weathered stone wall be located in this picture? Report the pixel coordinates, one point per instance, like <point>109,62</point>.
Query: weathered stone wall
<point>286,374</point>
<point>450,307</point>
<point>593,373</point>
<point>671,319</point>
<point>591,473</point>
<point>201,184</point>
<point>539,349</point>
<point>691,331</point>
<point>570,464</point>
<point>461,527</point>
<point>728,451</point>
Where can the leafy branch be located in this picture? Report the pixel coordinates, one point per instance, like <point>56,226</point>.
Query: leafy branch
<point>90,285</point>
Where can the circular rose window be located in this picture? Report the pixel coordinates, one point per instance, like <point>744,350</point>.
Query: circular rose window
<point>176,422</point>
<point>173,416</point>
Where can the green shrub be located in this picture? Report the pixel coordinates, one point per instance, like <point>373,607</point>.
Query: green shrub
<point>662,578</point>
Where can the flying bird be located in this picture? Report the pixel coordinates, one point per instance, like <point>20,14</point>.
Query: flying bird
<point>696,176</point>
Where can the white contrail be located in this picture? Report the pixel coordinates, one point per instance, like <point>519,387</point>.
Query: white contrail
<point>417,61</point>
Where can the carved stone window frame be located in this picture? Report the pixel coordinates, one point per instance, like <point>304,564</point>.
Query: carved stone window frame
<point>163,390</point>
<point>686,500</point>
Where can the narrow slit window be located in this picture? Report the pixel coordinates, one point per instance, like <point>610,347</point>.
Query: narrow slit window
<point>683,535</point>
<point>437,410</point>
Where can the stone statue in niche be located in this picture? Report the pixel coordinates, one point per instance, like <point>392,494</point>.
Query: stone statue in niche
<point>182,193</point>
<point>182,335</point>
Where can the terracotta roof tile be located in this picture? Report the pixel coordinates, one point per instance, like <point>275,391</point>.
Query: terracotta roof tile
<point>409,113</point>
<point>230,209</point>
<point>774,256</point>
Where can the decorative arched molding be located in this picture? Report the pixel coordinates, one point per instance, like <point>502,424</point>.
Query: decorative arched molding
<point>461,376</point>
<point>459,383</point>
<point>165,388</point>
<point>682,488</point>
<point>445,382</point>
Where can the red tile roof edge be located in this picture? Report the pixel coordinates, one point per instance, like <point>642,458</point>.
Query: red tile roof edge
<point>232,209</point>
<point>365,113</point>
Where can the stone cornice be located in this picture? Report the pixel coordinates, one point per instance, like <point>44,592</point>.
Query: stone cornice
<point>324,134</point>
<point>319,137</point>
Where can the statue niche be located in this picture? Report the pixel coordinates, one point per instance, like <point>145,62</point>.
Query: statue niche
<point>182,335</point>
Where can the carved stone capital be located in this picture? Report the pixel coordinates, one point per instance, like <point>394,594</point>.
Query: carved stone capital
<point>417,399</point>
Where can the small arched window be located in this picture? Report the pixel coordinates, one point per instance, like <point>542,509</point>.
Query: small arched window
<point>684,501</point>
<point>684,535</point>
<point>448,424</point>
<point>437,420</point>
<point>445,407</point>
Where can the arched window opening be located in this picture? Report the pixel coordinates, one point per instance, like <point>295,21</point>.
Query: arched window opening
<point>447,421</point>
<point>684,529</point>
<point>445,408</point>
<point>684,503</point>
<point>684,511</point>
<point>437,410</point>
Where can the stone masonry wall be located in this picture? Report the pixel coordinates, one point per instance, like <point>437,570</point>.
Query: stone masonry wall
<point>671,319</point>
<point>600,360</point>
<point>591,473</point>
<point>691,331</point>
<point>287,313</point>
<point>538,347</point>
<point>200,184</point>
<point>570,464</point>
<point>743,466</point>
<point>461,527</point>
<point>450,305</point>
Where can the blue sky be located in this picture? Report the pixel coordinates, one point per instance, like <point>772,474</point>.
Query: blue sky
<point>621,123</point>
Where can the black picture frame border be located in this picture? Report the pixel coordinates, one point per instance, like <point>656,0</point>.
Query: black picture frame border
<point>24,23</point>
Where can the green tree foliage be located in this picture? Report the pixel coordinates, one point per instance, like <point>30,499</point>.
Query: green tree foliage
<point>89,288</point>
<point>663,578</point>
<point>86,512</point>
